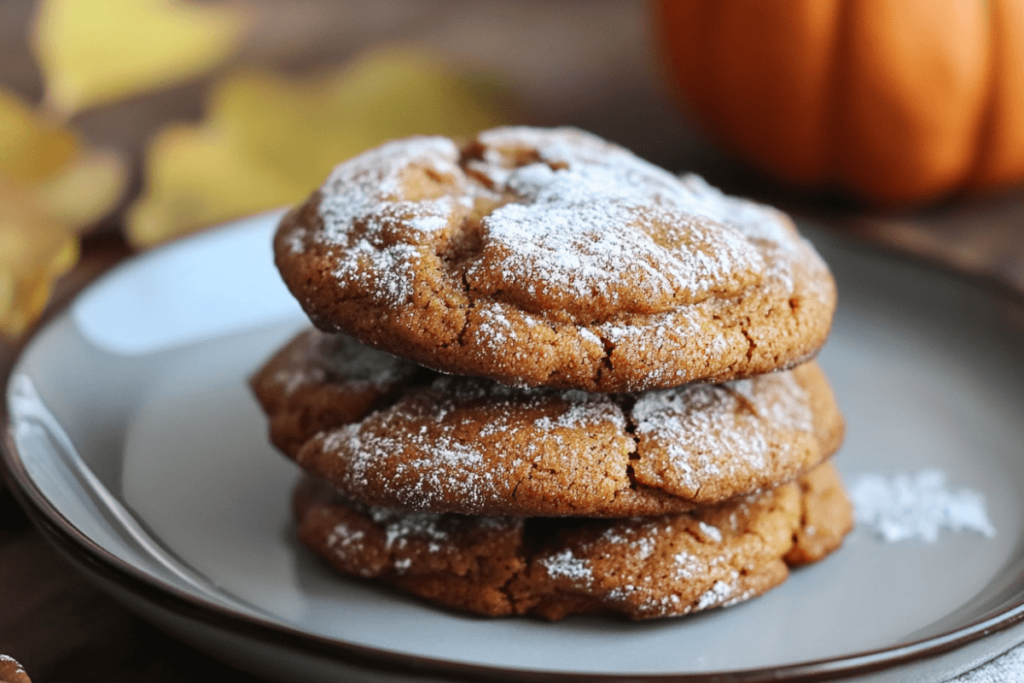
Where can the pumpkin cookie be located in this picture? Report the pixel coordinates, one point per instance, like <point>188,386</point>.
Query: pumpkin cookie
<point>11,671</point>
<point>318,381</point>
<point>473,446</point>
<point>640,568</point>
<point>553,258</point>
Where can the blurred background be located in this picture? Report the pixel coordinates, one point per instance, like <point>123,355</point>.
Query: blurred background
<point>132,122</point>
<point>127,123</point>
<point>153,118</point>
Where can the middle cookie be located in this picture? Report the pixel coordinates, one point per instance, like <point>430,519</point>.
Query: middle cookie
<point>435,443</point>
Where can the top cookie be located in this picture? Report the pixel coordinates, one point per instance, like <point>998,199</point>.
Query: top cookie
<point>553,258</point>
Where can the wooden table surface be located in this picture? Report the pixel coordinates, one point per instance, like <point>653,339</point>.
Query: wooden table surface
<point>60,627</point>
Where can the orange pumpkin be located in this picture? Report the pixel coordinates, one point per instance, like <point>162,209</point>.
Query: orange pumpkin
<point>896,100</point>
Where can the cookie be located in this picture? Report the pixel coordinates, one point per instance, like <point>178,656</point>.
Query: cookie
<point>473,446</point>
<point>11,671</point>
<point>552,258</point>
<point>319,381</point>
<point>639,568</point>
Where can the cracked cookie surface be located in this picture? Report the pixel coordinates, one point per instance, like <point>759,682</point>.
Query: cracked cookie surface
<point>641,568</point>
<point>428,442</point>
<point>553,258</point>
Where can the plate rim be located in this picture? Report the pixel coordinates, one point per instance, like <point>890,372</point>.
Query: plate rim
<point>89,556</point>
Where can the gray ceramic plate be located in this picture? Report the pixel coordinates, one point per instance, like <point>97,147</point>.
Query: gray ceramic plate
<point>136,446</point>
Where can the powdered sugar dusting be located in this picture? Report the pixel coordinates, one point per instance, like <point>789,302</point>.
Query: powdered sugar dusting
<point>349,543</point>
<point>291,379</point>
<point>651,566</point>
<point>687,565</point>
<point>630,563</point>
<point>578,247</point>
<point>754,220</point>
<point>712,431</point>
<point>601,228</point>
<point>667,330</point>
<point>718,594</point>
<point>710,532</point>
<point>590,336</point>
<point>917,506</point>
<point>644,567</point>
<point>356,362</point>
<point>343,536</point>
<point>365,211</point>
<point>448,467</point>
<point>781,246</point>
<point>18,670</point>
<point>400,528</point>
<point>581,415</point>
<point>597,225</point>
<point>463,444</point>
<point>371,183</point>
<point>433,447</point>
<point>565,565</point>
<point>404,535</point>
<point>530,237</point>
<point>495,327</point>
<point>315,358</point>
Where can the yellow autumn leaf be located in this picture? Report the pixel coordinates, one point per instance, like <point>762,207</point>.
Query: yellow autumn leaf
<point>268,140</point>
<point>83,190</point>
<point>93,52</point>
<point>30,147</point>
<point>305,128</point>
<point>196,178</point>
<point>71,182</point>
<point>35,249</point>
<point>51,184</point>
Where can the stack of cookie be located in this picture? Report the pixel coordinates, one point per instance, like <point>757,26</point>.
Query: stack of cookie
<point>549,377</point>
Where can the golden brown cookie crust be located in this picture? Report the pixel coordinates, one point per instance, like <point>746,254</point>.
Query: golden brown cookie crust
<point>472,446</point>
<point>640,568</point>
<point>826,518</point>
<point>553,258</point>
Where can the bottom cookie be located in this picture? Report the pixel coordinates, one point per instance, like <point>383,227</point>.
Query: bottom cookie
<point>552,567</point>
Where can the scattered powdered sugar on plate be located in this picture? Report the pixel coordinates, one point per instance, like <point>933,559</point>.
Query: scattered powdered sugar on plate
<point>917,506</point>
